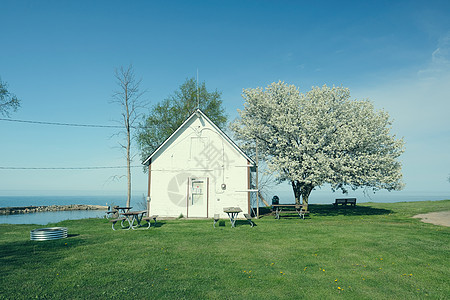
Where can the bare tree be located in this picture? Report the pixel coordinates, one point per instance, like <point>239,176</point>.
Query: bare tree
<point>128,96</point>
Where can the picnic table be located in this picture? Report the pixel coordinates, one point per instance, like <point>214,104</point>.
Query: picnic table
<point>112,213</point>
<point>232,213</point>
<point>124,209</point>
<point>134,216</point>
<point>298,208</point>
<point>115,210</point>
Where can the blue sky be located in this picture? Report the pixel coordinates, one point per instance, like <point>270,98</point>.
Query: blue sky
<point>59,58</point>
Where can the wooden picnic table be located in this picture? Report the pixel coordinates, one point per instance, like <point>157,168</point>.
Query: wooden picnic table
<point>124,209</point>
<point>132,216</point>
<point>115,210</point>
<point>232,213</point>
<point>298,208</point>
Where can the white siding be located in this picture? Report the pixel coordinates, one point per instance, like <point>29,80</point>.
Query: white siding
<point>197,151</point>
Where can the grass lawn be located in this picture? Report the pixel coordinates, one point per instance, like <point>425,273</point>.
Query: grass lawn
<point>372,251</point>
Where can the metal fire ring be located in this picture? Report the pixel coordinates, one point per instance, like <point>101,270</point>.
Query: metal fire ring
<point>47,234</point>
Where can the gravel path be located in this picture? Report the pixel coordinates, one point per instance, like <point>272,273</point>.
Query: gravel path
<point>436,218</point>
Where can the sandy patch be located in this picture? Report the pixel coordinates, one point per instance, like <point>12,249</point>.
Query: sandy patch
<point>436,218</point>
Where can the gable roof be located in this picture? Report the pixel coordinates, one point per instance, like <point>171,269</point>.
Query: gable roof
<point>199,114</point>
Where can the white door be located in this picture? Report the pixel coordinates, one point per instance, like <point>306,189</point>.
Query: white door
<point>198,198</point>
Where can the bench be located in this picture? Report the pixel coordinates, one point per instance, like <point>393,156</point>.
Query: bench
<point>298,208</point>
<point>114,221</point>
<point>344,202</point>
<point>148,220</point>
<point>216,219</point>
<point>249,218</point>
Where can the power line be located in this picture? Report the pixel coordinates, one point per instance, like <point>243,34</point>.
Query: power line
<point>65,168</point>
<point>61,124</point>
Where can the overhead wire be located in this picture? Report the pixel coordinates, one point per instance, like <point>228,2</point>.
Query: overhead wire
<point>63,124</point>
<point>65,168</point>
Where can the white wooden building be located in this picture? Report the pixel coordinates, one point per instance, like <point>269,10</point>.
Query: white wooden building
<point>198,171</point>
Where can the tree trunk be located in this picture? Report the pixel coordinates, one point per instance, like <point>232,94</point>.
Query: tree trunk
<point>301,192</point>
<point>306,191</point>
<point>129,170</point>
<point>127,125</point>
<point>296,189</point>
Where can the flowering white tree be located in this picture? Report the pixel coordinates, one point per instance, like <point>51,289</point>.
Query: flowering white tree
<point>320,137</point>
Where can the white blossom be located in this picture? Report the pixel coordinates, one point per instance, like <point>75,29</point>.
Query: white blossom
<point>320,137</point>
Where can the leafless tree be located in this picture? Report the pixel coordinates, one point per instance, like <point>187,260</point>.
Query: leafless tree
<point>128,96</point>
<point>8,101</point>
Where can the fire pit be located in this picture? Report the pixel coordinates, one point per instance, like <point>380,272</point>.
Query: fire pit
<point>50,233</point>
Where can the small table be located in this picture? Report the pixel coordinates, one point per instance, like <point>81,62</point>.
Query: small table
<point>279,207</point>
<point>124,209</point>
<point>132,216</point>
<point>232,214</point>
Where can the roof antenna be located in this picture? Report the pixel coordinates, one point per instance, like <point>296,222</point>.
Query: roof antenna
<point>198,99</point>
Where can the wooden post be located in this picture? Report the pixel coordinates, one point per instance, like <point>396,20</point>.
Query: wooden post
<point>257,185</point>
<point>149,186</point>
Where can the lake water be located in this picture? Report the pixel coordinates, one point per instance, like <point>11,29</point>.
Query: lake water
<point>44,218</point>
<point>139,203</point>
<point>324,197</point>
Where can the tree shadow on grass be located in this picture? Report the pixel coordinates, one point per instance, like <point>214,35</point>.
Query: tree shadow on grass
<point>244,223</point>
<point>157,225</point>
<point>330,210</point>
<point>31,254</point>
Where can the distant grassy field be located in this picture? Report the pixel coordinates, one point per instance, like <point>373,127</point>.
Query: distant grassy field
<point>373,251</point>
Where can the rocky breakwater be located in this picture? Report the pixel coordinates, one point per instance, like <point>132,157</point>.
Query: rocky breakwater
<point>42,208</point>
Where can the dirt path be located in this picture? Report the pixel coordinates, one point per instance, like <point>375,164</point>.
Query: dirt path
<point>436,218</point>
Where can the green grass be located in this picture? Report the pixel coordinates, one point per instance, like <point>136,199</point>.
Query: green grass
<point>373,251</point>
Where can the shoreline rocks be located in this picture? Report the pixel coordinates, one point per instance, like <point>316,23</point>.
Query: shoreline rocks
<point>44,208</point>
